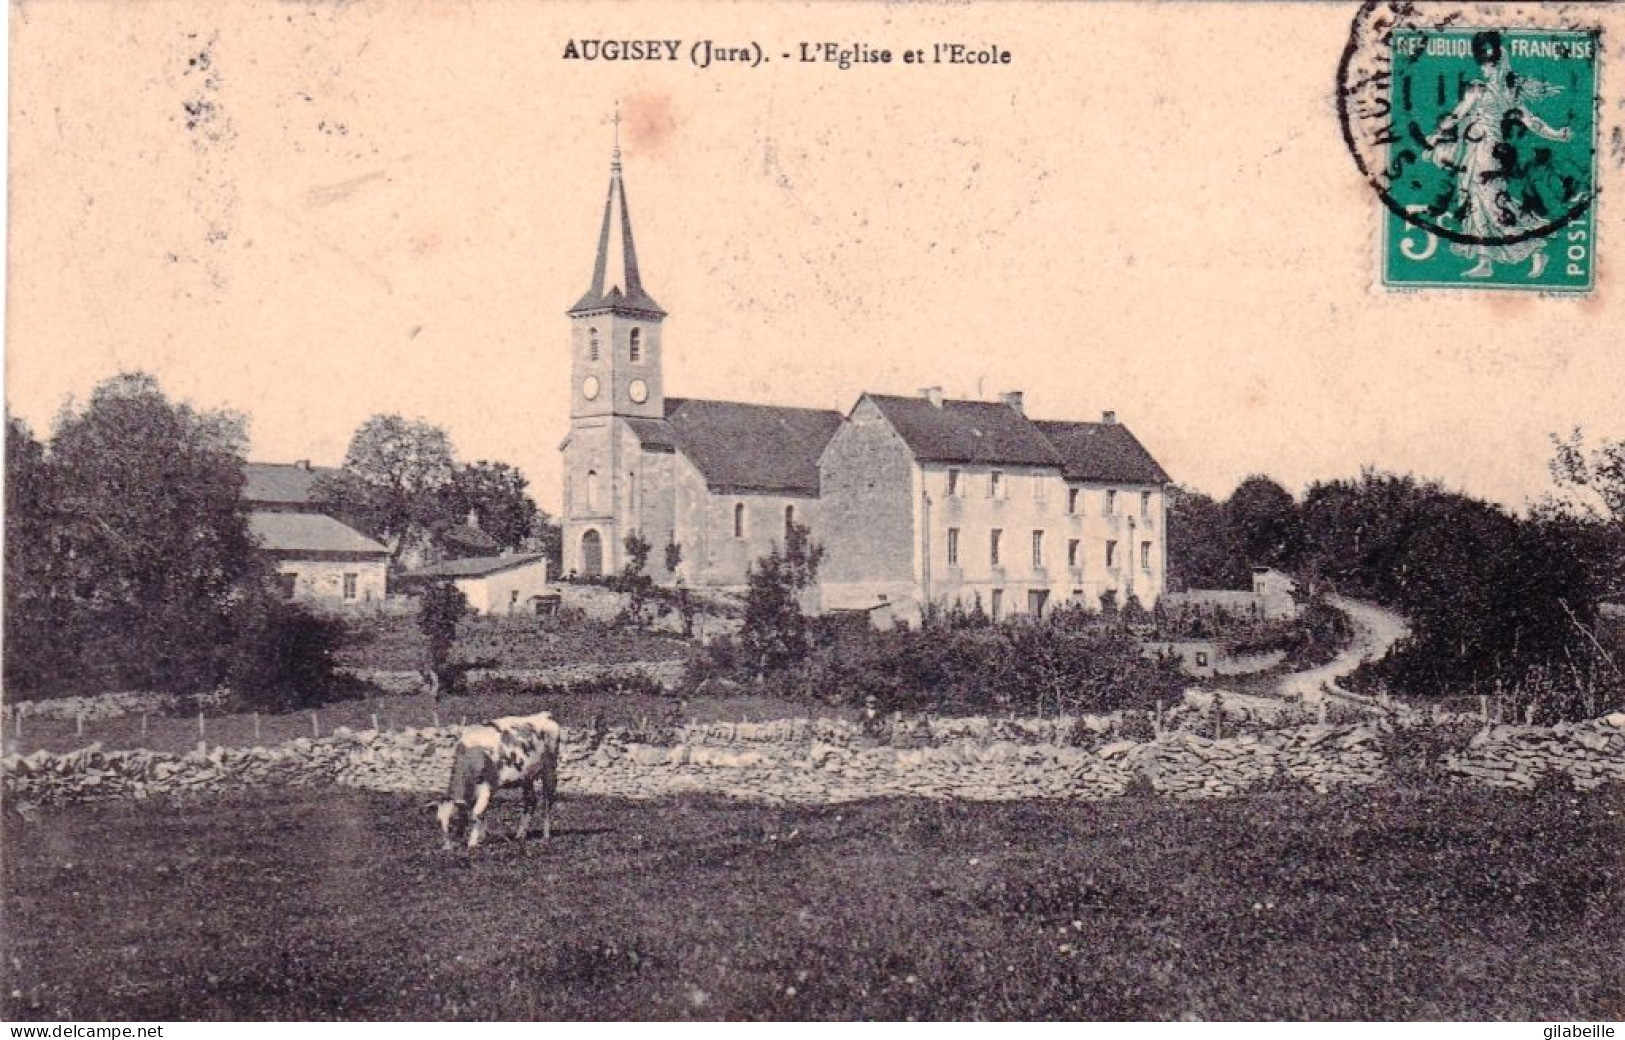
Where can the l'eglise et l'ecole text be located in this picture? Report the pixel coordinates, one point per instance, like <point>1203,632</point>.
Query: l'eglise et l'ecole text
<point>917,499</point>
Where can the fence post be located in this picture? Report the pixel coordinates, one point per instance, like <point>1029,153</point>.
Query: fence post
<point>143,724</point>
<point>315,726</point>
<point>435,714</point>
<point>18,728</point>
<point>79,723</point>
<point>375,722</point>
<point>1484,708</point>
<point>201,730</point>
<point>1320,712</point>
<point>256,725</point>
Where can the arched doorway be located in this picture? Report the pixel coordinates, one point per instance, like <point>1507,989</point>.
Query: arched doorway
<point>592,555</point>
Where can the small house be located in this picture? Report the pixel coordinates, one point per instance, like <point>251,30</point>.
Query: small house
<point>492,584</point>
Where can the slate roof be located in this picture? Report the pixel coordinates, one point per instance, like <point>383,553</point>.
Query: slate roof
<point>293,534</point>
<point>275,483</point>
<point>748,447</point>
<point>470,538</point>
<point>1102,451</point>
<point>472,567</point>
<point>994,434</point>
<point>983,432</point>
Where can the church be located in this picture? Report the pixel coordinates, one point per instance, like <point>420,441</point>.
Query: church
<point>916,499</point>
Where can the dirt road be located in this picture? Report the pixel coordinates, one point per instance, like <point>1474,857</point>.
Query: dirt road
<point>1375,630</point>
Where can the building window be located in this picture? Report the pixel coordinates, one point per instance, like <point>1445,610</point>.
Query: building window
<point>1038,550</point>
<point>513,599</point>
<point>632,493</point>
<point>1201,658</point>
<point>789,524</point>
<point>592,344</point>
<point>953,483</point>
<point>1077,593</point>
<point>1111,503</point>
<point>1145,555</point>
<point>637,345</point>
<point>739,519</point>
<point>993,545</point>
<point>1038,487</point>
<point>286,583</point>
<point>1072,552</point>
<point>1037,600</point>
<point>997,602</point>
<point>953,546</point>
<point>1111,555</point>
<point>1072,500</point>
<point>1145,503</point>
<point>349,586</point>
<point>995,484</point>
<point>592,490</point>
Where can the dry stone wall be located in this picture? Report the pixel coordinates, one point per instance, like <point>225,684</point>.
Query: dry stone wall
<point>822,761</point>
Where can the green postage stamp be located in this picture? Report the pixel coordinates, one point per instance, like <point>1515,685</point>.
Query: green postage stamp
<point>1481,143</point>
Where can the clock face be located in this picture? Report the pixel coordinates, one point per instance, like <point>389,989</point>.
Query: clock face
<point>589,387</point>
<point>639,391</point>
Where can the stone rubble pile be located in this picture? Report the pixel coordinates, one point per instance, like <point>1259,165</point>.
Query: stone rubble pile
<point>1590,754</point>
<point>823,761</point>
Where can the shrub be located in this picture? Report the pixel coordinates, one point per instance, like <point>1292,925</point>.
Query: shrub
<point>281,654</point>
<point>441,607</point>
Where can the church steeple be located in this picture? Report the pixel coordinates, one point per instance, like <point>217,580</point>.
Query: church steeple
<point>616,286</point>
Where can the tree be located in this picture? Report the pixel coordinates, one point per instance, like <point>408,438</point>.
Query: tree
<point>1592,477</point>
<point>1263,521</point>
<point>1202,554</point>
<point>440,608</point>
<point>150,535</point>
<point>32,608</point>
<point>635,580</point>
<point>393,481</point>
<point>774,635</point>
<point>498,494</point>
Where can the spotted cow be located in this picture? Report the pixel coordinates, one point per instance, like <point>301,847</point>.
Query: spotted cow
<point>516,751</point>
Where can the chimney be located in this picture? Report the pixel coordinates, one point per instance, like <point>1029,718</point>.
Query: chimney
<point>303,464</point>
<point>933,394</point>
<point>1109,418</point>
<point>1012,398</point>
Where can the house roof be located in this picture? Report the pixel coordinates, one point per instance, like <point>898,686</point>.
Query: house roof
<point>276,483</point>
<point>653,434</point>
<point>1101,451</point>
<point>967,431</point>
<point>290,534</point>
<point>473,566</point>
<point>993,433</point>
<point>749,447</point>
<point>467,537</point>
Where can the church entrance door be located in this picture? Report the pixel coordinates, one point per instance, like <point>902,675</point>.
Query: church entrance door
<point>592,555</point>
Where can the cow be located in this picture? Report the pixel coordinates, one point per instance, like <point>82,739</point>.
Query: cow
<point>516,751</point>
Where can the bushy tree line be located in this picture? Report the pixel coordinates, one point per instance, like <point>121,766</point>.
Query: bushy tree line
<point>129,561</point>
<point>401,483</point>
<point>1497,601</point>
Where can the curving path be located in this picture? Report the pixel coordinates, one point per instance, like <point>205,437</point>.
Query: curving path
<point>1375,630</point>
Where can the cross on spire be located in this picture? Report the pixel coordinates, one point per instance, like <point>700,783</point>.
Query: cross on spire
<point>615,156</point>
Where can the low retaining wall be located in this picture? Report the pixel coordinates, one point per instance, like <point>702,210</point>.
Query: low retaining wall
<point>1590,754</point>
<point>822,761</point>
<point>666,673</point>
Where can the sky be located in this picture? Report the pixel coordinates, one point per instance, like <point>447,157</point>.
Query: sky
<point>315,212</point>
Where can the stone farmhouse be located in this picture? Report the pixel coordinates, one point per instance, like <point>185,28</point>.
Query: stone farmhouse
<point>916,499</point>
<point>318,559</point>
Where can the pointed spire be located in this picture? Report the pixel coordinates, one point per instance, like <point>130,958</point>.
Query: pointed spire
<point>616,285</point>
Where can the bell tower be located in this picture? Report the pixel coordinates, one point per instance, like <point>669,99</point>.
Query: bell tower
<point>615,373</point>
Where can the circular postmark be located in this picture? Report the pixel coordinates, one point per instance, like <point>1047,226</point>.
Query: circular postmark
<point>1481,134</point>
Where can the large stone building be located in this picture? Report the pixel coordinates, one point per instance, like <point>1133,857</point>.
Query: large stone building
<point>915,499</point>
<point>318,559</point>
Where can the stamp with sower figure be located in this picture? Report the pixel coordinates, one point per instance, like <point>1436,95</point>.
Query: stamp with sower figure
<point>1480,141</point>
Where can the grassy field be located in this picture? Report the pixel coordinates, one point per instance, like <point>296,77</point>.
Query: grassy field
<point>1401,904</point>
<point>395,643</point>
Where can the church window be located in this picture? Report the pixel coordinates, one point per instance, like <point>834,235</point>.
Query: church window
<point>993,546</point>
<point>1145,555</point>
<point>1073,500</point>
<point>789,523</point>
<point>632,492</point>
<point>739,519</point>
<point>995,484</point>
<point>592,490</point>
<point>1072,552</point>
<point>1111,503</point>
<point>1111,555</point>
<point>997,602</point>
<point>953,546</point>
<point>349,586</point>
<point>1145,503</point>
<point>592,344</point>
<point>953,483</point>
<point>637,345</point>
<point>1038,550</point>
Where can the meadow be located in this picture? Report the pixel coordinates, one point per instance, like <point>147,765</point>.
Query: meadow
<point>1424,902</point>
